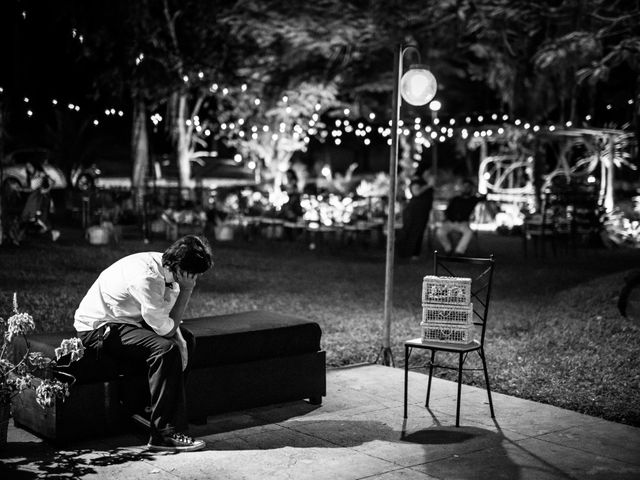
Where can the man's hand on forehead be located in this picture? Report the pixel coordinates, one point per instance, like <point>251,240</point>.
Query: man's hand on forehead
<point>186,279</point>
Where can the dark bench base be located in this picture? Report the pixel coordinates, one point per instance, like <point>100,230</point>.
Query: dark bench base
<point>91,410</point>
<point>241,386</point>
<point>274,373</point>
<point>274,380</point>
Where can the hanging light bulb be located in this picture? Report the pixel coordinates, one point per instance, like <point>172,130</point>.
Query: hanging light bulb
<point>418,85</point>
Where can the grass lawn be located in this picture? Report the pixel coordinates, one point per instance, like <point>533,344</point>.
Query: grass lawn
<point>554,336</point>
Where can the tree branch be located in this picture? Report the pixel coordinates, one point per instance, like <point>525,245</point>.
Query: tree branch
<point>507,44</point>
<point>195,111</point>
<point>171,26</point>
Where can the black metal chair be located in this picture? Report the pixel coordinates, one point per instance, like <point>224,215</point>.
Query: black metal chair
<point>480,270</point>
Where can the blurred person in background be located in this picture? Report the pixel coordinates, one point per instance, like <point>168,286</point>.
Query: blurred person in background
<point>415,215</point>
<point>457,219</point>
<point>38,204</point>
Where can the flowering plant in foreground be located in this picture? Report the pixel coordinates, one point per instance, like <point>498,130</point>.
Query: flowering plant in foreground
<point>33,369</point>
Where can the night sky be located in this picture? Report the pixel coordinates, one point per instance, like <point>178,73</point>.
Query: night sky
<point>42,62</point>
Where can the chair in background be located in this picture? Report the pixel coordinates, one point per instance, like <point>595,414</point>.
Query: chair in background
<point>480,271</point>
<point>540,228</point>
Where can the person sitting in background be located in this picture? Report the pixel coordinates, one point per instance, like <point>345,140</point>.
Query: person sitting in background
<point>191,214</point>
<point>191,218</point>
<point>38,205</point>
<point>110,214</point>
<point>457,217</point>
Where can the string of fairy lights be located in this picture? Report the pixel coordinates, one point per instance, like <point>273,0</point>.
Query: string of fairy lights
<point>423,131</point>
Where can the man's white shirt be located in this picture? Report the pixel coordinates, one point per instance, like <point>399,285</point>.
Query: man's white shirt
<point>131,290</point>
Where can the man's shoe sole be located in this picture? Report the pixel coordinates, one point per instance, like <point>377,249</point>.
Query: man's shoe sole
<point>165,448</point>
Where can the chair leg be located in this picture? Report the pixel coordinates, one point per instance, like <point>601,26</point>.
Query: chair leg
<point>486,379</point>
<point>433,357</point>
<point>406,377</point>
<point>459,390</point>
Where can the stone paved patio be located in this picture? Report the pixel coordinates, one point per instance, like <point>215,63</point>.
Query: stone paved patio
<point>359,433</point>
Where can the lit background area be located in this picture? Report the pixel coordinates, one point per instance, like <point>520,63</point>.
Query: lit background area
<point>288,133</point>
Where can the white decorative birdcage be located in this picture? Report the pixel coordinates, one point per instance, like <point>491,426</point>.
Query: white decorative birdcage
<point>447,333</point>
<point>446,290</point>
<point>447,314</point>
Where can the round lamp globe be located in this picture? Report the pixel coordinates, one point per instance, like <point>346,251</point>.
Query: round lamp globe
<point>418,86</point>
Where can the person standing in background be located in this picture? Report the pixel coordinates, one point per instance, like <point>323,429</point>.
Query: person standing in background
<point>415,216</point>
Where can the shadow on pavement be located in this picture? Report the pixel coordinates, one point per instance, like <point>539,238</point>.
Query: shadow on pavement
<point>438,436</point>
<point>73,463</point>
<point>440,451</point>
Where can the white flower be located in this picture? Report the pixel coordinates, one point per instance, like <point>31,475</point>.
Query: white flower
<point>71,346</point>
<point>23,382</point>
<point>19,374</point>
<point>49,390</point>
<point>19,324</point>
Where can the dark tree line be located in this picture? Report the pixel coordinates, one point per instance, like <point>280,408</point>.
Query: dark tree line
<point>547,60</point>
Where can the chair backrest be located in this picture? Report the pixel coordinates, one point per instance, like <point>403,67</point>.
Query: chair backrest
<point>480,271</point>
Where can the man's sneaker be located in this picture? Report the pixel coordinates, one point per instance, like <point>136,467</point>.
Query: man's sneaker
<point>175,442</point>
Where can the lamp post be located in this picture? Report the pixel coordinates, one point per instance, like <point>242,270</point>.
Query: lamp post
<point>417,87</point>
<point>434,106</point>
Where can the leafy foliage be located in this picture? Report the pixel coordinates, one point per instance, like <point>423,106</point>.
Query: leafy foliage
<point>280,128</point>
<point>536,59</point>
<point>17,375</point>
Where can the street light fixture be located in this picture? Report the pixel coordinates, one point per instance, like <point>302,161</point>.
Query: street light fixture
<point>417,87</point>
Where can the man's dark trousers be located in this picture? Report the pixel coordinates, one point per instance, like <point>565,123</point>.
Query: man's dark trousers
<point>136,344</point>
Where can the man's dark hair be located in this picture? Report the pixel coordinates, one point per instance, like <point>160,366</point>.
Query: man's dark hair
<point>191,254</point>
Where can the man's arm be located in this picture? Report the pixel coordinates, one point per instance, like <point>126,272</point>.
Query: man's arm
<point>187,282</point>
<point>178,309</point>
<point>149,292</point>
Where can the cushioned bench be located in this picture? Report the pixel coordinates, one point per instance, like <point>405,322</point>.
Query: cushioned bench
<point>241,361</point>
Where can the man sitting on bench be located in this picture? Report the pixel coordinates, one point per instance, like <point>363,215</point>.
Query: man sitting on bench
<point>457,217</point>
<point>133,311</point>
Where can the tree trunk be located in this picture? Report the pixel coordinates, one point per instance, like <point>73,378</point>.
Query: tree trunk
<point>182,147</point>
<point>635,119</point>
<point>1,179</point>
<point>2,130</point>
<point>258,174</point>
<point>140,152</point>
<point>406,161</point>
<point>574,100</point>
<point>563,101</point>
